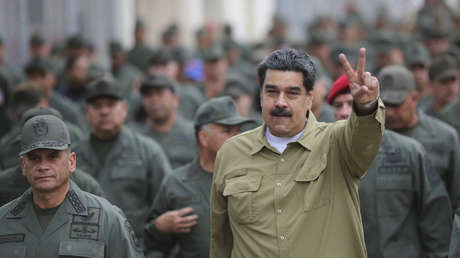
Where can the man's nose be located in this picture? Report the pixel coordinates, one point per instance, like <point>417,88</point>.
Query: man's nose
<point>281,100</point>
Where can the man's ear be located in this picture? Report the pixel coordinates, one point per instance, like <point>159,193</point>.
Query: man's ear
<point>415,95</point>
<point>203,138</point>
<point>72,162</point>
<point>23,164</point>
<point>309,99</point>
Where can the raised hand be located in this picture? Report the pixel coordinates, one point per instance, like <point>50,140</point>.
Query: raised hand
<point>363,86</point>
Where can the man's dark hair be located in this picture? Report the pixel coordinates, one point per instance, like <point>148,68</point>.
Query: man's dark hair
<point>36,40</point>
<point>160,57</point>
<point>289,59</point>
<point>37,67</point>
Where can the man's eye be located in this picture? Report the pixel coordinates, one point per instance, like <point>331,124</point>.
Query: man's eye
<point>293,93</point>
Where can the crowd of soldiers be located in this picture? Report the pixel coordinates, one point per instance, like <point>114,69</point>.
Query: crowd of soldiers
<point>147,129</point>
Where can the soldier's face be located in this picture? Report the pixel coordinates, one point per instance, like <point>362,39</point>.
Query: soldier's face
<point>342,106</point>
<point>285,102</point>
<point>446,90</point>
<point>216,70</point>
<point>214,135</point>
<point>106,116</point>
<point>160,104</point>
<point>402,116</point>
<point>48,170</point>
<point>420,73</point>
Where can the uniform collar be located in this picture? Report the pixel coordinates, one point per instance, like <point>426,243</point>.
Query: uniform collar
<point>195,171</point>
<point>306,140</point>
<point>74,203</point>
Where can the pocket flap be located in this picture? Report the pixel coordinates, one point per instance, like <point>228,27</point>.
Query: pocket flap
<point>81,248</point>
<point>249,183</point>
<point>312,168</point>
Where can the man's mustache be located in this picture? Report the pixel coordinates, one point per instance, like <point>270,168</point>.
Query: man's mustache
<point>280,112</point>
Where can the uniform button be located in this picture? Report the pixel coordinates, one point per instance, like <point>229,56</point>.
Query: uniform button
<point>69,247</point>
<point>279,211</point>
<point>282,237</point>
<point>16,252</point>
<point>278,184</point>
<point>283,160</point>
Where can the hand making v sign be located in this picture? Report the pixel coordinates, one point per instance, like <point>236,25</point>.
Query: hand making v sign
<point>363,86</point>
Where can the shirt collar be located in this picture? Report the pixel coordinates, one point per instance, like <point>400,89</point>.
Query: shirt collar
<point>306,140</point>
<point>195,171</point>
<point>74,203</point>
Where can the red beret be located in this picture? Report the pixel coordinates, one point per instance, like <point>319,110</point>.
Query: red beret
<point>339,85</point>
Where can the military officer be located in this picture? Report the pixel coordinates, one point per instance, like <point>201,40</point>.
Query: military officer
<point>128,165</point>
<point>438,138</point>
<point>181,210</point>
<point>11,141</point>
<point>164,123</point>
<point>54,218</point>
<point>403,200</point>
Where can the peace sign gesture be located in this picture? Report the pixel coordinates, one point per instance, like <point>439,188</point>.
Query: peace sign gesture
<point>363,86</point>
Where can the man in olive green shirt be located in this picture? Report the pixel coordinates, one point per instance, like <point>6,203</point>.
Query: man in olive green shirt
<point>163,123</point>
<point>289,188</point>
<point>404,202</point>
<point>440,140</point>
<point>180,213</point>
<point>54,218</point>
<point>128,165</point>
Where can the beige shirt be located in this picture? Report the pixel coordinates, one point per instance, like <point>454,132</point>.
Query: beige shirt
<point>301,203</point>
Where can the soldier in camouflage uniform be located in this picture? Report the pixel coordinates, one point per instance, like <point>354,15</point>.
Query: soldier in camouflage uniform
<point>438,138</point>
<point>128,165</point>
<point>54,218</point>
<point>181,210</point>
<point>403,201</point>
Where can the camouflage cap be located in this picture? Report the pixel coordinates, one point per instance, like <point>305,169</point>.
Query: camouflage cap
<point>103,87</point>
<point>220,110</point>
<point>396,82</point>
<point>442,68</point>
<point>156,81</point>
<point>44,132</point>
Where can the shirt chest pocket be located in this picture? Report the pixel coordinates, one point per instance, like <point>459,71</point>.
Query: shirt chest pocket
<point>81,248</point>
<point>240,197</point>
<point>129,170</point>
<point>13,251</point>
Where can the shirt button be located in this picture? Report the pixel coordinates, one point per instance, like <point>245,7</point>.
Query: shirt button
<point>279,211</point>
<point>282,237</point>
<point>283,160</point>
<point>278,184</point>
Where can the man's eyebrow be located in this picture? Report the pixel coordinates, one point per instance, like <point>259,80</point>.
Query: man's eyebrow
<point>296,88</point>
<point>270,86</point>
